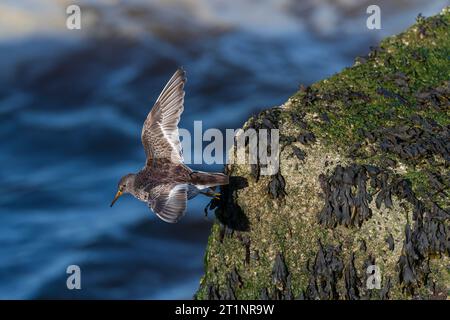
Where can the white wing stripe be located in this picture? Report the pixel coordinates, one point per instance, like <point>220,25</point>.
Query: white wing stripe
<point>160,135</point>
<point>172,208</point>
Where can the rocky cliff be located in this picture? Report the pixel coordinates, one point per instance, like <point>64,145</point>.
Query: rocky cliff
<point>364,180</point>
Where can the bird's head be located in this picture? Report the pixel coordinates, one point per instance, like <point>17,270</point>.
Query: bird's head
<point>125,186</point>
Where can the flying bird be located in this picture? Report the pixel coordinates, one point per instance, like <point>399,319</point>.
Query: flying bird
<point>166,183</point>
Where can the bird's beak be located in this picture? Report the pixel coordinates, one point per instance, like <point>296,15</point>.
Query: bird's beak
<point>117,196</point>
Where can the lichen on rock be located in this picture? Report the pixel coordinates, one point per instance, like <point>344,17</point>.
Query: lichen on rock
<point>363,181</point>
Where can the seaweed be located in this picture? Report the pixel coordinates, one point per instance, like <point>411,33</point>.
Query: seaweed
<point>299,153</point>
<point>213,293</point>
<point>279,271</point>
<point>235,279</point>
<point>324,273</point>
<point>390,242</point>
<point>363,245</point>
<point>352,281</point>
<point>264,294</point>
<point>392,95</point>
<point>429,236</point>
<point>384,292</point>
<point>276,186</point>
<point>421,139</point>
<point>430,230</point>
<point>346,197</point>
<point>267,119</point>
<point>306,138</point>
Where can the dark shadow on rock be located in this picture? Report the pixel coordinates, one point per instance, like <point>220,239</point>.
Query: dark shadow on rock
<point>227,211</point>
<point>237,183</point>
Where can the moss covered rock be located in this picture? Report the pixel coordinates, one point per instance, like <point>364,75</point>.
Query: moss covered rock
<point>363,181</point>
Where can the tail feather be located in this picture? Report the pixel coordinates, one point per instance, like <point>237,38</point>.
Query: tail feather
<point>209,179</point>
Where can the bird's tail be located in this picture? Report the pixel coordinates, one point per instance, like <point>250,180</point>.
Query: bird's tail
<point>208,179</point>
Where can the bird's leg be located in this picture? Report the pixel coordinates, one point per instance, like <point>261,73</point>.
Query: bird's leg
<point>213,191</point>
<point>211,194</point>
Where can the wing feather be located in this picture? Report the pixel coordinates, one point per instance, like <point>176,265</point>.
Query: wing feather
<point>160,136</point>
<point>169,202</point>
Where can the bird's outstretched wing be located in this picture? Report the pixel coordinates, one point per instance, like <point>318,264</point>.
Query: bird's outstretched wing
<point>160,135</point>
<point>168,201</point>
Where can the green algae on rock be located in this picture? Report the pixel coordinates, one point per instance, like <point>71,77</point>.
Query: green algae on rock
<point>364,180</point>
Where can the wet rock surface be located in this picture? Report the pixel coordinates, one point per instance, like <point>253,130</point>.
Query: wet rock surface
<point>364,182</point>
<point>347,203</point>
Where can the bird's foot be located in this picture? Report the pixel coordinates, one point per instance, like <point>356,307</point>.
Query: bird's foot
<point>214,195</point>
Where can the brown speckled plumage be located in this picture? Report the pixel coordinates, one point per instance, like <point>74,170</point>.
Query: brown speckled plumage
<point>165,183</point>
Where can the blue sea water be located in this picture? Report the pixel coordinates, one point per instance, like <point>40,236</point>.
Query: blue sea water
<point>71,111</point>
